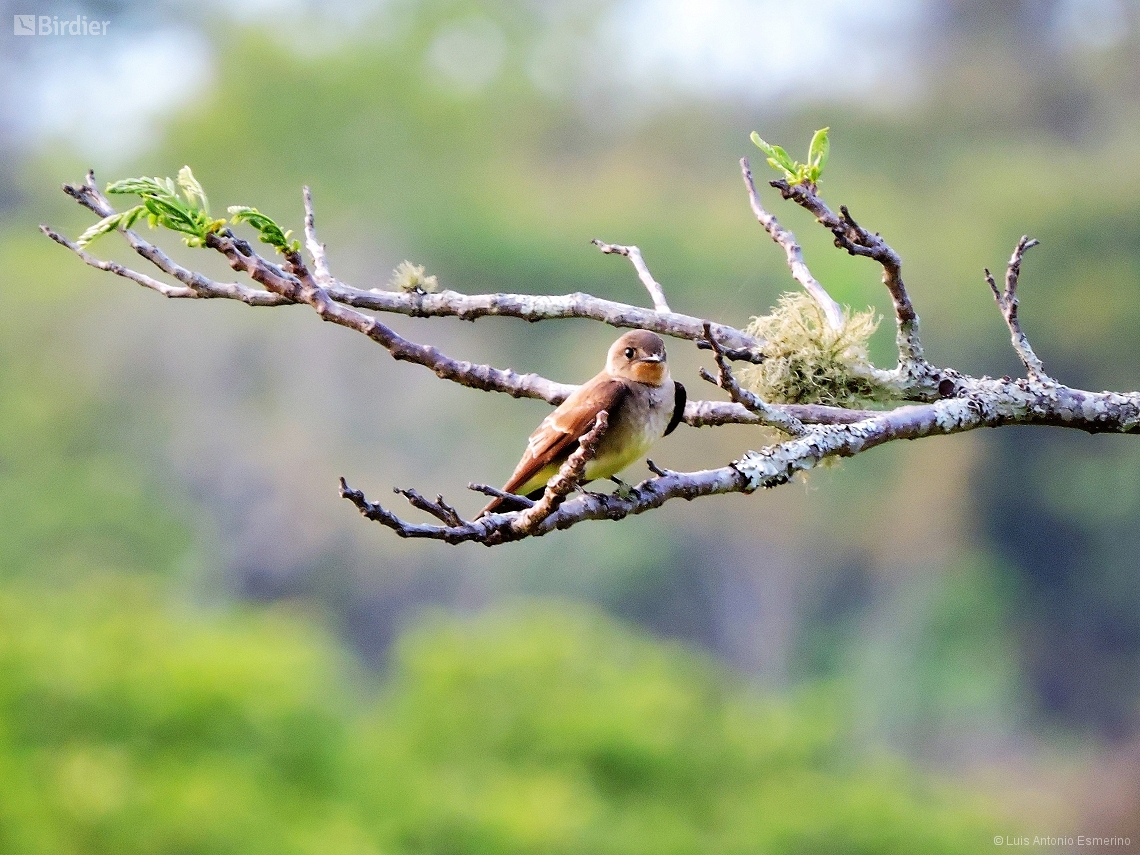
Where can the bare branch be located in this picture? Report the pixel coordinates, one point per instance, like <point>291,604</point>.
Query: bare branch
<point>769,415</point>
<point>451,534</point>
<point>315,247</point>
<point>303,288</point>
<point>494,528</point>
<point>1008,303</point>
<point>201,287</point>
<point>495,492</point>
<point>540,307</point>
<point>438,509</point>
<point>163,288</point>
<point>656,292</point>
<point>800,272</point>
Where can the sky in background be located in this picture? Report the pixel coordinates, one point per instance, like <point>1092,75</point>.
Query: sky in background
<point>642,53</point>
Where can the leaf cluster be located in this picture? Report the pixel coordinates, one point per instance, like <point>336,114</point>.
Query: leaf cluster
<point>179,206</point>
<point>268,230</point>
<point>794,171</point>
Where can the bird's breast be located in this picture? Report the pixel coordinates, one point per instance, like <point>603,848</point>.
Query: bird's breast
<point>638,423</point>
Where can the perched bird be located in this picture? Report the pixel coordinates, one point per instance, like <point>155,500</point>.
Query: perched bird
<point>643,404</point>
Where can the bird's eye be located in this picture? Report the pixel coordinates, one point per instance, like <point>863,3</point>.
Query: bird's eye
<point>629,352</point>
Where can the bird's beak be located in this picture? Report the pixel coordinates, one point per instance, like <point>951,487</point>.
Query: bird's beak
<point>651,359</point>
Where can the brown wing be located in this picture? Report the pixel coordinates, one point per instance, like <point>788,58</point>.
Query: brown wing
<point>558,435</point>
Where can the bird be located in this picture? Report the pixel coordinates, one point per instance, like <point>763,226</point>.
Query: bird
<point>642,402</point>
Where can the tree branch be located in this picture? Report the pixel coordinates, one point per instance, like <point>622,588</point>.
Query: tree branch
<point>492,529</point>
<point>315,247</point>
<point>952,402</point>
<point>767,414</point>
<point>1007,302</point>
<point>800,272</point>
<point>656,292</point>
<point>913,369</point>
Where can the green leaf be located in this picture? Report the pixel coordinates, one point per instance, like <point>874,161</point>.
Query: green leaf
<point>192,190</point>
<point>269,231</point>
<point>818,150</point>
<point>138,187</point>
<point>785,160</point>
<point>763,146</point>
<point>187,213</point>
<point>778,158</point>
<point>123,220</point>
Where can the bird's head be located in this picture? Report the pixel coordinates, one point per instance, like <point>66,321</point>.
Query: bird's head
<point>638,355</point>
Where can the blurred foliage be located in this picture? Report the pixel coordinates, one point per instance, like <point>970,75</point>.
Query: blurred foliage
<point>72,497</point>
<point>131,725</point>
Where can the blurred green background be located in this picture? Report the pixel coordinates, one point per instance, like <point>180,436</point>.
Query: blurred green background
<point>204,650</point>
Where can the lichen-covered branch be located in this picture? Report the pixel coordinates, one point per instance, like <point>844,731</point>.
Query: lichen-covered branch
<point>988,404</point>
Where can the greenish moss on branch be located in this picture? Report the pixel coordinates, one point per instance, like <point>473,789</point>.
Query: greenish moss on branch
<point>807,361</point>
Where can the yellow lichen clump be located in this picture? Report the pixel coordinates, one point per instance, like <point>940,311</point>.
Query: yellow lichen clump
<point>413,277</point>
<point>808,362</point>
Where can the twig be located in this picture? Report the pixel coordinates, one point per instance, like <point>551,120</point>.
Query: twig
<point>656,292</point>
<point>475,376</point>
<point>438,509</point>
<point>487,490</point>
<point>800,272</point>
<point>164,288</point>
<point>477,530</point>
<point>1008,303</point>
<point>315,247</point>
<point>768,414</point>
<point>494,528</point>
